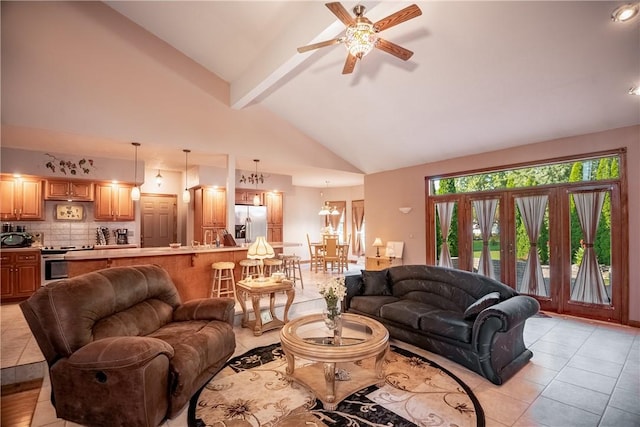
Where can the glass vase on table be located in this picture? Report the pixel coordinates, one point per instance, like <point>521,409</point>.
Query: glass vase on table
<point>333,320</point>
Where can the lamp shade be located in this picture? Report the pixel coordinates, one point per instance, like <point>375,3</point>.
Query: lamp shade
<point>377,243</point>
<point>135,193</point>
<point>260,249</point>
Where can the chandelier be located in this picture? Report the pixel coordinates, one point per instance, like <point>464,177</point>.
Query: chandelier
<point>254,178</point>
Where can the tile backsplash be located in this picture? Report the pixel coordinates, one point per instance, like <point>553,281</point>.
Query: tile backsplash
<point>75,233</point>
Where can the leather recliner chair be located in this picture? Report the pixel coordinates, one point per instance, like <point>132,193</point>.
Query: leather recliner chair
<point>122,349</point>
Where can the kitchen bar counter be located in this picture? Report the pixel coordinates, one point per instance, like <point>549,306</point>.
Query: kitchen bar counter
<point>190,268</point>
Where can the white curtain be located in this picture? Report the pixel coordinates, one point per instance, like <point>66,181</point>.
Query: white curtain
<point>589,285</point>
<point>445,210</point>
<point>532,210</point>
<point>485,211</point>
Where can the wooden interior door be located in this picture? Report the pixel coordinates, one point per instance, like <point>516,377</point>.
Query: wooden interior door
<point>159,220</point>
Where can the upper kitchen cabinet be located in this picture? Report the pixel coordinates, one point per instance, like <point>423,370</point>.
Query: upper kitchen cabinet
<point>273,202</point>
<point>210,210</point>
<point>245,197</point>
<point>21,198</point>
<point>69,190</point>
<point>113,202</point>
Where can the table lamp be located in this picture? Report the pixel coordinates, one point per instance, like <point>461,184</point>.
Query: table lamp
<point>260,250</point>
<point>377,243</point>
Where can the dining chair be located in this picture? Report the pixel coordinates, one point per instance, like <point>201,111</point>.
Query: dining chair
<point>344,254</point>
<point>331,254</point>
<point>315,255</point>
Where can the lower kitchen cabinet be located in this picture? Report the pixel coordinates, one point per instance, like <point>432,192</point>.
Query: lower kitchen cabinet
<point>19,274</point>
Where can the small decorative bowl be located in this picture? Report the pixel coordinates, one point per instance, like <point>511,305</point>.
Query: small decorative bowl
<point>175,245</point>
<point>277,277</point>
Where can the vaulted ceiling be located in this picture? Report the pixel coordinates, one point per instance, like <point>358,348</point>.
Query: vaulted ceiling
<point>484,76</point>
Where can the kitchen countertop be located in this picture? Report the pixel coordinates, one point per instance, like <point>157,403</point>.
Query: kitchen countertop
<point>143,252</point>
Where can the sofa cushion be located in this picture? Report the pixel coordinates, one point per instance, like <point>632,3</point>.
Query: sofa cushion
<point>375,283</point>
<point>199,347</point>
<point>486,301</point>
<point>371,305</point>
<point>428,318</point>
<point>449,324</point>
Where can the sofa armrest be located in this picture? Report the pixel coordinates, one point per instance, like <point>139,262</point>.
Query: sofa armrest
<point>354,285</point>
<point>510,313</point>
<point>206,309</point>
<point>119,352</point>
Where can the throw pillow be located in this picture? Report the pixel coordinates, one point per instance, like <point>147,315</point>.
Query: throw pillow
<point>486,301</point>
<point>375,283</point>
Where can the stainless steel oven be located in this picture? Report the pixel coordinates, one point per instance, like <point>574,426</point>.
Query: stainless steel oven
<point>54,266</point>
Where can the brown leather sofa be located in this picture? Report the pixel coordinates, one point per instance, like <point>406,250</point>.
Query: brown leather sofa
<point>122,349</point>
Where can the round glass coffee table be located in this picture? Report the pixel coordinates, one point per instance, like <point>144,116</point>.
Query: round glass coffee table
<point>309,338</point>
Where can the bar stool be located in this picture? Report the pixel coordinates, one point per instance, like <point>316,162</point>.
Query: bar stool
<point>250,267</point>
<point>223,272</point>
<point>271,265</point>
<point>292,268</point>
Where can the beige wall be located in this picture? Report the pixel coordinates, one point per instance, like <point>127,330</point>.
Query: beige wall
<point>385,192</point>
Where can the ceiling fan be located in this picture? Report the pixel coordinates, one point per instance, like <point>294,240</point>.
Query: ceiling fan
<point>361,35</point>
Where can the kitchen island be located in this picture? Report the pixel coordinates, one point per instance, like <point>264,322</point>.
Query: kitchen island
<point>190,268</point>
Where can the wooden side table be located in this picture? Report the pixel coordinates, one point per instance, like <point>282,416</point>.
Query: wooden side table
<point>381,262</point>
<point>254,289</point>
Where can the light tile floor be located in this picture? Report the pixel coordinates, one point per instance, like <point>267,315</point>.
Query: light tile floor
<point>583,373</point>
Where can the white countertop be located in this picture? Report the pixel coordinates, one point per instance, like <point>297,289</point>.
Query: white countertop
<point>143,252</point>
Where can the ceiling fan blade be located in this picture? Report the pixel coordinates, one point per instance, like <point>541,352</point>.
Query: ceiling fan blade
<point>399,17</point>
<point>319,45</point>
<point>394,49</point>
<point>349,64</point>
<point>337,9</point>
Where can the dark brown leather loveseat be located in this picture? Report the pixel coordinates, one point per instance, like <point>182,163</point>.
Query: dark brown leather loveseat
<point>471,319</point>
<point>121,348</point>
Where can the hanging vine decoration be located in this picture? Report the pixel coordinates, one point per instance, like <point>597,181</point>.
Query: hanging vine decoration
<point>67,166</point>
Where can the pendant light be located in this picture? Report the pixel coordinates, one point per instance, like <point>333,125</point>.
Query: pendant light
<point>135,191</point>
<point>325,209</point>
<point>186,195</point>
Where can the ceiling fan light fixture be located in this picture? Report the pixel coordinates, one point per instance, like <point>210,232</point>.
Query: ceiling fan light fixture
<point>625,12</point>
<point>360,38</point>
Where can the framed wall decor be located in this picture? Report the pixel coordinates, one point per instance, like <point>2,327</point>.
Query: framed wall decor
<point>71,212</point>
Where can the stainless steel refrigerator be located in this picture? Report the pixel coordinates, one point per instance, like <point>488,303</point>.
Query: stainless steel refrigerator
<point>251,222</point>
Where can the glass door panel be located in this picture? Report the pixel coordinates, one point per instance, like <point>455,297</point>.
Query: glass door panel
<point>486,237</point>
<point>532,269</point>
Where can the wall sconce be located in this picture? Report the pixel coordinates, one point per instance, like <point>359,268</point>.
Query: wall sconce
<point>405,210</point>
<point>377,243</point>
<point>159,179</point>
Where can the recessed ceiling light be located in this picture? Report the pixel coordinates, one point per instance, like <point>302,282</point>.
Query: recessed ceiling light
<point>635,90</point>
<point>625,12</point>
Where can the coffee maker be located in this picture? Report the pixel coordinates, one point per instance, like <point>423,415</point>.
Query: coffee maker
<point>121,236</point>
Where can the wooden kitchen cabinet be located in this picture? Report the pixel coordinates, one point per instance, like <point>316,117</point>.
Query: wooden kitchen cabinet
<point>245,197</point>
<point>19,274</point>
<point>210,211</point>
<point>21,198</point>
<point>113,202</point>
<point>69,190</point>
<point>275,218</point>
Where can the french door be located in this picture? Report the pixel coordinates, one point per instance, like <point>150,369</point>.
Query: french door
<point>559,244</point>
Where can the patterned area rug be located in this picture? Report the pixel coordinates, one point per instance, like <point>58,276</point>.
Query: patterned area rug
<point>253,390</point>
